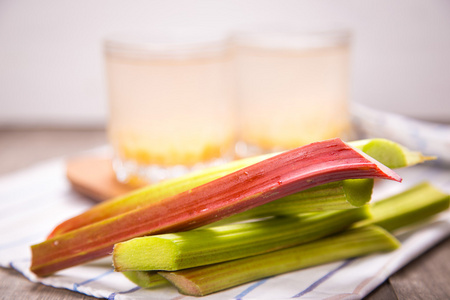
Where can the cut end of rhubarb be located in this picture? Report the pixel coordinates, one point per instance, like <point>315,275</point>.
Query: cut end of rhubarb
<point>391,242</point>
<point>391,154</point>
<point>153,246</point>
<point>358,191</point>
<point>183,284</point>
<point>146,279</point>
<point>389,174</point>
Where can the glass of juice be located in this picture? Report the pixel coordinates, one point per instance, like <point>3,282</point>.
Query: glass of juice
<point>171,104</point>
<point>293,87</point>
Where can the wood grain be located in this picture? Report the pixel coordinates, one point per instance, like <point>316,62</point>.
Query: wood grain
<point>425,278</point>
<point>384,291</point>
<point>14,286</point>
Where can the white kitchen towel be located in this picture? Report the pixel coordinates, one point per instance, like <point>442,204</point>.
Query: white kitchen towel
<point>425,136</point>
<point>34,200</point>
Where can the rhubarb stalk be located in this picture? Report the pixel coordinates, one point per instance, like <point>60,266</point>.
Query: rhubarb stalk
<point>149,194</point>
<point>387,152</point>
<point>409,207</point>
<point>414,205</point>
<point>338,195</point>
<point>175,251</point>
<point>205,280</point>
<point>287,173</point>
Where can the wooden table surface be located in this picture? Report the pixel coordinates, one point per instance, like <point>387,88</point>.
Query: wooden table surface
<point>428,277</point>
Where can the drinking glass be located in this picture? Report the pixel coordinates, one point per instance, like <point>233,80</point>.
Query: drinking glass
<point>293,87</point>
<point>171,104</point>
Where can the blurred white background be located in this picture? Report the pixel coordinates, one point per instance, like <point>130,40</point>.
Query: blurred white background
<point>52,70</point>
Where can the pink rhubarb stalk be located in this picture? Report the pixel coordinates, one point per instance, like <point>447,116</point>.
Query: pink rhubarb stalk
<point>260,183</point>
<point>151,193</point>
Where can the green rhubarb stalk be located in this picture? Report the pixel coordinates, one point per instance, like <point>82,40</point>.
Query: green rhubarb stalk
<point>416,204</point>
<point>411,206</point>
<point>200,247</point>
<point>146,279</point>
<point>205,280</point>
<point>276,177</point>
<point>338,195</point>
<point>387,152</point>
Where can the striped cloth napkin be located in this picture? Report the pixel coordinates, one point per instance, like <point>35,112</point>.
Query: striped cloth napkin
<point>428,137</point>
<point>34,200</point>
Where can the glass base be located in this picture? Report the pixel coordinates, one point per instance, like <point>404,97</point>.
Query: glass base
<point>133,173</point>
<point>244,150</point>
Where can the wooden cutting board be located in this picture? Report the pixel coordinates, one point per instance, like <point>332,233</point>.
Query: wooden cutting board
<point>94,177</point>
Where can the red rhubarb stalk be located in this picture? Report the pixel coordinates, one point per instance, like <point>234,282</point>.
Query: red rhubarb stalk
<point>276,177</point>
<point>151,193</point>
<point>387,152</point>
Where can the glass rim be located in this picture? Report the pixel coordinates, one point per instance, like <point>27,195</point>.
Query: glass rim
<point>298,37</point>
<point>170,44</point>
